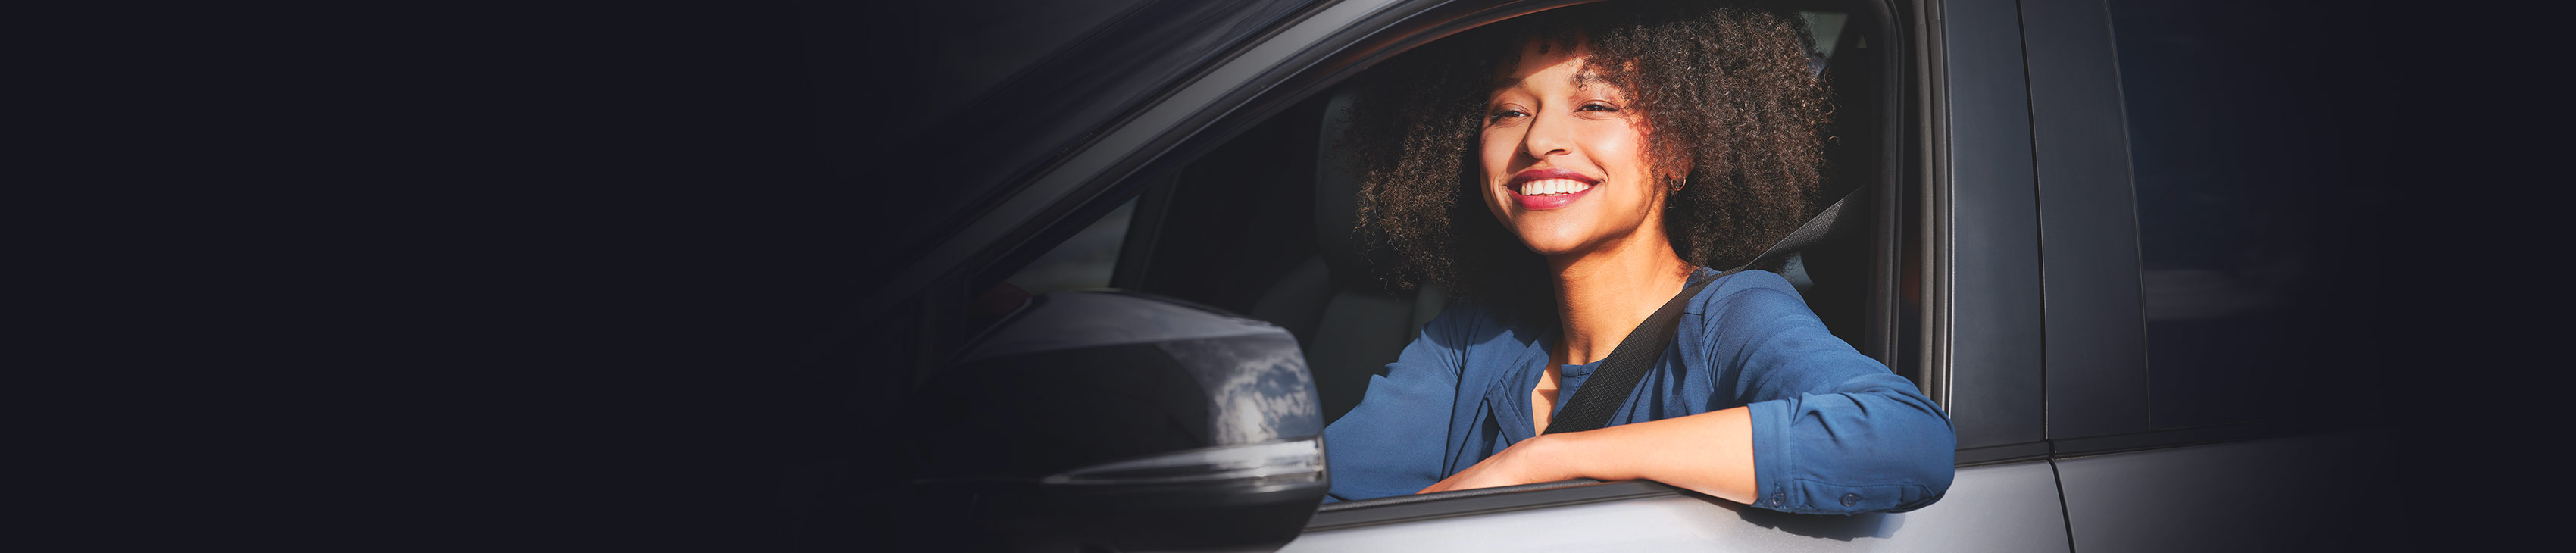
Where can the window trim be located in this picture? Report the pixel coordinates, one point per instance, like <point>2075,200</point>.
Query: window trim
<point>1465,503</point>
<point>2096,343</point>
<point>1982,299</point>
<point>1136,255</point>
<point>2178,437</point>
<point>1896,144</point>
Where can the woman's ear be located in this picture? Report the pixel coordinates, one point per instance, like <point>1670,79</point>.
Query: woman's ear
<point>1677,174</point>
<point>1673,185</point>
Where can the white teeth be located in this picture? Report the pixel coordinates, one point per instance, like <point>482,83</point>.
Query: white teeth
<point>1552,186</point>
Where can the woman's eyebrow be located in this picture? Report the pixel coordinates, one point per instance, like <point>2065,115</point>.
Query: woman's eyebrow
<point>1583,80</point>
<point>1587,78</point>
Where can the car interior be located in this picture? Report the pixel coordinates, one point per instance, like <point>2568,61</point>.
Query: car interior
<point>1265,226</point>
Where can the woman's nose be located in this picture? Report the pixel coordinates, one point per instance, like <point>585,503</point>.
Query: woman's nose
<point>1547,137</point>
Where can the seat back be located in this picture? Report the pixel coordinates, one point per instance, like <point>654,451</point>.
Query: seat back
<point>1350,322</point>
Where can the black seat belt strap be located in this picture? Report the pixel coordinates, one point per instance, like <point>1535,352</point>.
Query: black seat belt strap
<point>1619,373</point>
<point>1637,354</point>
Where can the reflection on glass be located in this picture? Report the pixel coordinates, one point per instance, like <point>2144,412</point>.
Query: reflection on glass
<point>1257,387</point>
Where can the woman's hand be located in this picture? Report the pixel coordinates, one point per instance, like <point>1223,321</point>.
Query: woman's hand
<point>1529,462</point>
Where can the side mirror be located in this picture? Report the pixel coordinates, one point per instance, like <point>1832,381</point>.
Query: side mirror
<point>1117,421</point>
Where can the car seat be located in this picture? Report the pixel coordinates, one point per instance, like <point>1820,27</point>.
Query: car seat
<point>1348,320</point>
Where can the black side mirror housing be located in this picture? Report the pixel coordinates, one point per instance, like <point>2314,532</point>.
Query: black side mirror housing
<point>1106,420</point>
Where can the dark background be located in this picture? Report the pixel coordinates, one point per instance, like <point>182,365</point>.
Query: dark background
<point>665,243</point>
<point>405,277</point>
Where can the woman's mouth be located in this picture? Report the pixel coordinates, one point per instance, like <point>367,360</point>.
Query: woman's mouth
<point>1541,189</point>
<point>1553,187</point>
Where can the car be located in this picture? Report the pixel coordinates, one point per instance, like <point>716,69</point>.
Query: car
<point>2091,230</point>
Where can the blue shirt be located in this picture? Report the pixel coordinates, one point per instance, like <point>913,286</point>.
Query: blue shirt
<point>1833,431</point>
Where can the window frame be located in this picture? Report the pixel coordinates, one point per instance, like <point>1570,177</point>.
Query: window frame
<point>1982,303</point>
<point>2096,326</point>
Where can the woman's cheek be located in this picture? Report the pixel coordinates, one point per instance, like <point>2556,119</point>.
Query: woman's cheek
<point>1498,203</point>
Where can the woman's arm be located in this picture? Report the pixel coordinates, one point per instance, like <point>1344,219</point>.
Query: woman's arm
<point>1710,453</point>
<point>1393,441</point>
<point>1823,429</point>
<point>1865,450</point>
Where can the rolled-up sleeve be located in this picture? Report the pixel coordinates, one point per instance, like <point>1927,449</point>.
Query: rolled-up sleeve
<point>1391,443</point>
<point>1834,432</point>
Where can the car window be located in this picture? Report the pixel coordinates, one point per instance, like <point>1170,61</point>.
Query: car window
<point>1827,28</point>
<point>2237,143</point>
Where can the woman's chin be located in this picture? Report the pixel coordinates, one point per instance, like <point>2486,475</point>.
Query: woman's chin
<point>1555,244</point>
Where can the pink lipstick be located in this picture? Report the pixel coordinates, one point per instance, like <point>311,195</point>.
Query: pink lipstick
<point>1543,189</point>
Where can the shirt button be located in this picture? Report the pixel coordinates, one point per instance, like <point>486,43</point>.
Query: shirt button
<point>1776,499</point>
<point>1850,498</point>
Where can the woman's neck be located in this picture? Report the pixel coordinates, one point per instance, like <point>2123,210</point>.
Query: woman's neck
<point>1603,295</point>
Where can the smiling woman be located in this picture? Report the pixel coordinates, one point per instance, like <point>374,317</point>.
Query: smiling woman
<point>1569,173</point>
<point>1730,86</point>
<point>1554,132</point>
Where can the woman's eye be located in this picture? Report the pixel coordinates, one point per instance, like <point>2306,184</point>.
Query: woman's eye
<point>1499,114</point>
<point>1598,107</point>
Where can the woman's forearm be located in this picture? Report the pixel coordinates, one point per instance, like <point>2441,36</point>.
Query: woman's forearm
<point>1710,453</point>
<point>1894,460</point>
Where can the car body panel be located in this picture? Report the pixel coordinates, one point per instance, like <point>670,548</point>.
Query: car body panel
<point>2278,494</point>
<point>1995,508</point>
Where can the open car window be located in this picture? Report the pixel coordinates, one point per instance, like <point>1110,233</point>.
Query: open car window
<point>1242,227</point>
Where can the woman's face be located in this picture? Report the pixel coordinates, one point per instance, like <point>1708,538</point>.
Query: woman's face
<point>1564,160</point>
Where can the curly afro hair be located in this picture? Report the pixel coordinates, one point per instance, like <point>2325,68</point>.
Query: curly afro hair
<point>1726,90</point>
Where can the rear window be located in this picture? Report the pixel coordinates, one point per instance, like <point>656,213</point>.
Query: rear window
<point>2247,149</point>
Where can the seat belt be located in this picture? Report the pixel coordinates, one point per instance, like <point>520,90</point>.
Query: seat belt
<point>1627,364</point>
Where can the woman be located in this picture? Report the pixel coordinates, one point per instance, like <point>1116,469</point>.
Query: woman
<point>1563,176</point>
